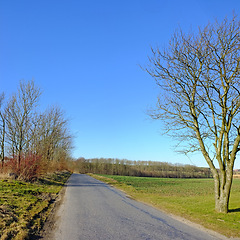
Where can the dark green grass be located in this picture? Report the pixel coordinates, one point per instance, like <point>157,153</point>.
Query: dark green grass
<point>189,198</point>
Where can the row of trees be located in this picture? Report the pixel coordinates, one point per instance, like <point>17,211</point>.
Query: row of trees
<point>123,167</point>
<point>31,140</point>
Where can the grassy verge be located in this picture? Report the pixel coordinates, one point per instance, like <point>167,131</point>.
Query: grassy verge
<point>24,206</point>
<point>192,199</point>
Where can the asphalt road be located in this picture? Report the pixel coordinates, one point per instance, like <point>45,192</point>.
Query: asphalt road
<point>93,210</point>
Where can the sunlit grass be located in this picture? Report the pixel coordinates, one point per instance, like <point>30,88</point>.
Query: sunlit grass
<point>25,206</point>
<point>189,198</point>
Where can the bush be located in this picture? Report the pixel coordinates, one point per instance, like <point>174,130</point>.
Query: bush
<point>29,169</point>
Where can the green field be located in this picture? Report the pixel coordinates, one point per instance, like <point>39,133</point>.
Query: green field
<point>25,206</point>
<point>192,199</point>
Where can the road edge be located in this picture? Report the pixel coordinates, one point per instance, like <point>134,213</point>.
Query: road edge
<point>50,224</point>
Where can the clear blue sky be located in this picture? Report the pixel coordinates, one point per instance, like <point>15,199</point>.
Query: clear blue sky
<point>85,55</point>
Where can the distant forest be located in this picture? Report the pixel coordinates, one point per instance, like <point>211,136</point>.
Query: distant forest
<point>112,166</point>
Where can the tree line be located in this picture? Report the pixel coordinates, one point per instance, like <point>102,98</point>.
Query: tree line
<point>32,142</point>
<point>113,166</point>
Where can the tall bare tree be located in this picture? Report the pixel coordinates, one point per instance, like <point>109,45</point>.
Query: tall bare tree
<point>199,101</point>
<point>19,116</point>
<point>2,131</point>
<point>53,139</point>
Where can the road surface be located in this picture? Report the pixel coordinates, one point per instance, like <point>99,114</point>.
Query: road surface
<point>93,210</point>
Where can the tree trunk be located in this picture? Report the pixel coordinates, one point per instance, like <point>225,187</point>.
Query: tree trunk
<point>2,163</point>
<point>222,194</point>
<point>3,140</point>
<point>19,160</point>
<point>222,202</point>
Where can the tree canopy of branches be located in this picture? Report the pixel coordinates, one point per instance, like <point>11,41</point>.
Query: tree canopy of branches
<point>19,113</point>
<point>32,139</point>
<point>199,79</point>
<point>52,139</point>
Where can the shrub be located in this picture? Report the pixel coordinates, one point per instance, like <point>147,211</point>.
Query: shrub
<point>29,169</point>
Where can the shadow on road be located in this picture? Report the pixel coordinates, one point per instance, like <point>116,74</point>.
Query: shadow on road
<point>86,185</point>
<point>234,210</point>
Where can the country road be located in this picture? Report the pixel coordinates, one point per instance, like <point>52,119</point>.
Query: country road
<point>93,210</point>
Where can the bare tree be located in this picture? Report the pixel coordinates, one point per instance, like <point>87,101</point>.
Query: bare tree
<point>19,116</point>
<point>53,139</point>
<point>2,131</point>
<point>199,101</point>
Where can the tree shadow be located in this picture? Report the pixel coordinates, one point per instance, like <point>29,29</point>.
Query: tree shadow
<point>234,210</point>
<point>87,185</point>
<point>50,182</point>
<point>35,237</point>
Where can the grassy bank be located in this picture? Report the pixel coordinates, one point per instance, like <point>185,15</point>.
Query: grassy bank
<point>25,206</point>
<point>192,199</point>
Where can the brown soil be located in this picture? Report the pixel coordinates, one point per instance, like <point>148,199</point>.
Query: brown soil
<point>50,225</point>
